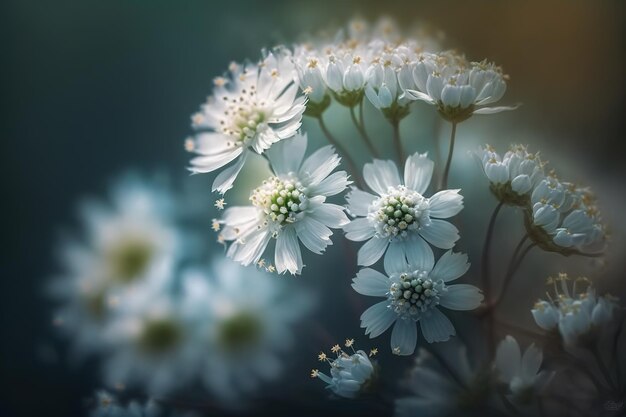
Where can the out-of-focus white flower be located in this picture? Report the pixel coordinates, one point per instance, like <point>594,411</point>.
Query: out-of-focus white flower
<point>400,218</point>
<point>573,313</point>
<point>520,373</point>
<point>349,372</point>
<point>564,218</point>
<point>253,108</point>
<point>457,87</point>
<point>106,405</point>
<point>513,176</point>
<point>289,206</point>
<point>126,244</point>
<point>414,292</point>
<point>443,384</point>
<point>241,322</point>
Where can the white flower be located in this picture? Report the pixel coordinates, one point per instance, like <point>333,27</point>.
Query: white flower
<point>512,177</point>
<point>348,372</point>
<point>241,321</point>
<point>289,206</point>
<point>106,405</point>
<point>255,107</point>
<point>126,243</point>
<point>520,373</point>
<point>457,87</point>
<point>401,218</point>
<point>441,385</point>
<point>573,313</point>
<point>565,216</point>
<point>414,293</point>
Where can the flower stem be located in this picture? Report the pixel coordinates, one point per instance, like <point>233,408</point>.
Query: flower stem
<point>444,179</point>
<point>486,273</point>
<point>514,264</point>
<point>354,172</point>
<point>361,128</point>
<point>603,369</point>
<point>395,124</point>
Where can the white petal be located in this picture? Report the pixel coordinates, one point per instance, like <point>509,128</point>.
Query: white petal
<point>380,175</point>
<point>313,234</point>
<point>461,297</point>
<point>445,204</point>
<point>318,166</point>
<point>331,185</point>
<point>418,171</point>
<point>372,250</point>
<point>371,282</point>
<point>288,256</point>
<point>395,258</point>
<point>203,164</point>
<point>440,233</point>
<point>359,229</point>
<point>251,250</point>
<point>418,95</point>
<point>224,181</point>
<point>531,361</point>
<point>419,254</point>
<point>331,215</point>
<point>377,319</point>
<point>359,202</point>
<point>286,155</point>
<point>450,266</point>
<point>493,110</point>
<point>404,337</point>
<point>436,327</point>
<point>508,359</point>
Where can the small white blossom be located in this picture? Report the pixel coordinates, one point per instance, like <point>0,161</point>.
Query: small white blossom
<point>457,87</point>
<point>415,291</point>
<point>520,373</point>
<point>348,372</point>
<point>251,109</point>
<point>289,206</point>
<point>573,313</point>
<point>401,219</point>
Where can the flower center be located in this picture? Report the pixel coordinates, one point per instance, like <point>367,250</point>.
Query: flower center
<point>414,294</point>
<point>240,331</point>
<point>244,117</point>
<point>130,259</point>
<point>398,212</point>
<point>280,199</point>
<point>160,335</point>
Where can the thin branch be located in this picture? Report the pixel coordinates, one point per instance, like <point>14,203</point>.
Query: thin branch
<point>397,142</point>
<point>354,172</point>
<point>444,180</point>
<point>361,128</point>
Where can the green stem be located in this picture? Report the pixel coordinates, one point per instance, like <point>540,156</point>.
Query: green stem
<point>513,267</point>
<point>352,168</point>
<point>444,180</point>
<point>361,129</point>
<point>398,142</point>
<point>486,274</point>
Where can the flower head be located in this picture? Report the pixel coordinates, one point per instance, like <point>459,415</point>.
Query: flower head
<point>401,219</point>
<point>574,311</point>
<point>414,292</point>
<point>349,372</point>
<point>289,206</point>
<point>251,109</point>
<point>520,373</point>
<point>457,87</point>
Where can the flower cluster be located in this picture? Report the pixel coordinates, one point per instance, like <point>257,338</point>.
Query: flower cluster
<point>573,313</point>
<point>350,373</point>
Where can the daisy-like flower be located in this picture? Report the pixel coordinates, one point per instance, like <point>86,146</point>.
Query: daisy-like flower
<point>349,372</point>
<point>289,206</point>
<point>445,384</point>
<point>401,218</point>
<point>251,109</point>
<point>520,373</point>
<point>457,87</point>
<point>513,176</point>
<point>564,218</point>
<point>241,321</point>
<point>573,313</point>
<point>414,292</point>
<point>128,242</point>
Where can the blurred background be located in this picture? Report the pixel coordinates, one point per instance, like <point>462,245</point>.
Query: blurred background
<point>93,89</point>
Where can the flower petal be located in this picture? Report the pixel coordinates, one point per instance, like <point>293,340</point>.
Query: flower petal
<point>445,204</point>
<point>372,250</point>
<point>359,229</point>
<point>313,234</point>
<point>493,110</point>
<point>440,233</point>
<point>224,181</point>
<point>404,337</point>
<point>395,258</point>
<point>376,319</point>
<point>461,297</point>
<point>436,327</point>
<point>531,362</point>
<point>450,266</point>
<point>288,256</point>
<point>359,202</point>
<point>379,175</point>
<point>508,359</point>
<point>286,155</point>
<point>418,171</point>
<point>318,166</point>
<point>419,254</point>
<point>371,282</point>
<point>331,185</point>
